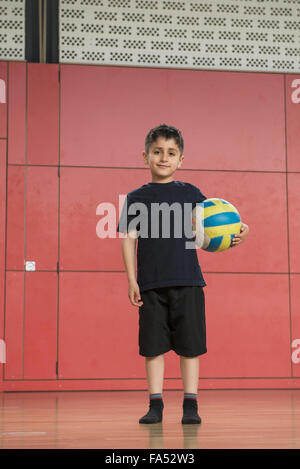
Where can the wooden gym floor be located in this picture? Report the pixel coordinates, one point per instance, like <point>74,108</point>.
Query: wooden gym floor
<point>231,419</point>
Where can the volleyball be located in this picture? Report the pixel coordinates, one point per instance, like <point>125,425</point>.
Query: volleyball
<point>221,222</point>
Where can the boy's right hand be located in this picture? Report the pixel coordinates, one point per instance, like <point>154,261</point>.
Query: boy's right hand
<point>134,294</point>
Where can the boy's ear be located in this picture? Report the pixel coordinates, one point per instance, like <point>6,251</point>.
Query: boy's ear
<point>144,155</point>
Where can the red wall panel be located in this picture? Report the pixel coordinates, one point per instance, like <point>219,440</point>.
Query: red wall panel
<point>82,190</point>
<point>15,217</point>
<point>229,120</point>
<point>294,220</point>
<point>32,217</point>
<point>97,327</point>
<point>42,217</point>
<point>42,113</point>
<point>17,112</point>
<point>293,121</point>
<point>3,100</point>
<point>248,326</point>
<point>40,325</point>
<point>14,325</point>
<point>31,325</point>
<point>295,323</point>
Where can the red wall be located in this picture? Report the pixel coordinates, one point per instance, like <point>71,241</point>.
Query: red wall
<point>76,329</point>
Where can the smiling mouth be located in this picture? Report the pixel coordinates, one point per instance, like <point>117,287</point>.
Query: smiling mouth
<point>162,166</point>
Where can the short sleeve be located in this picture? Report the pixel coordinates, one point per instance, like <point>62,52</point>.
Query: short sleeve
<point>125,217</point>
<point>198,197</point>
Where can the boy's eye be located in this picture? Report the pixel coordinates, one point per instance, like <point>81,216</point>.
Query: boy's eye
<point>157,151</point>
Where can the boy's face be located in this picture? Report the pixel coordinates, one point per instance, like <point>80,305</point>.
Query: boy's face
<point>163,159</point>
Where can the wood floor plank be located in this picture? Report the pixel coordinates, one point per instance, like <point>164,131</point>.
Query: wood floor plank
<point>104,419</point>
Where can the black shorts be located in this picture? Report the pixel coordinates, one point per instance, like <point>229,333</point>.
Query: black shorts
<point>172,318</point>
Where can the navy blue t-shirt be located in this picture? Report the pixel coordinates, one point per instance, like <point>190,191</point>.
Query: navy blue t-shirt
<point>163,258</point>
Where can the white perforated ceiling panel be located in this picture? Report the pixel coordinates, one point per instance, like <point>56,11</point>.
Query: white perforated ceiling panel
<point>249,35</point>
<point>12,30</point>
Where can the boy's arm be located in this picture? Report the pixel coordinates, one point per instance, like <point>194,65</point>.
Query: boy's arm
<point>128,253</point>
<point>240,237</point>
<point>236,240</point>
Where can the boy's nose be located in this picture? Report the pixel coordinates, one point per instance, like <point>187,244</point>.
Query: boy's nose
<point>164,158</point>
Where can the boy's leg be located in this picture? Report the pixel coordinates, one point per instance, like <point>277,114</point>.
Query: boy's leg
<point>155,373</point>
<point>154,341</point>
<point>155,376</point>
<point>188,331</point>
<point>190,374</point>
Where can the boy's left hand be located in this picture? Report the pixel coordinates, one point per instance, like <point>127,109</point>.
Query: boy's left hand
<point>240,237</point>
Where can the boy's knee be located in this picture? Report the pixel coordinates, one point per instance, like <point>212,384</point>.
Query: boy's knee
<point>155,357</point>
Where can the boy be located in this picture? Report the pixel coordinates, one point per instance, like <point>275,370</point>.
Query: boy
<point>169,285</point>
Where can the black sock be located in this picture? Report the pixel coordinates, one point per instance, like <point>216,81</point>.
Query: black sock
<point>158,395</point>
<point>190,409</point>
<point>189,395</point>
<point>156,405</point>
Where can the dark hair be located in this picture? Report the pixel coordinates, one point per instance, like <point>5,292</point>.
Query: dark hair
<point>166,131</point>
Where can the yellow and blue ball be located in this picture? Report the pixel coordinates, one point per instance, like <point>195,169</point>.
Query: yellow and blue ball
<point>221,222</point>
